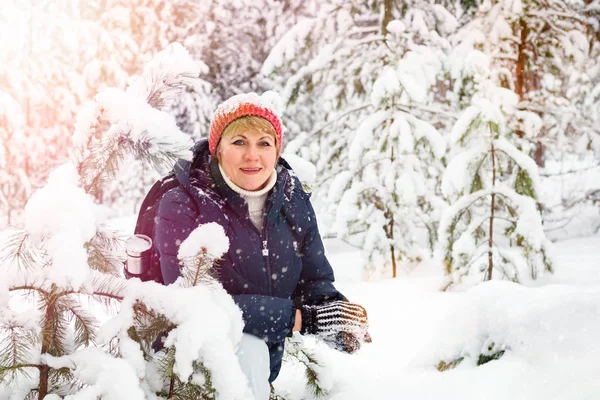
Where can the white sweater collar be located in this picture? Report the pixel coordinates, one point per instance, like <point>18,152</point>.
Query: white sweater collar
<point>250,193</point>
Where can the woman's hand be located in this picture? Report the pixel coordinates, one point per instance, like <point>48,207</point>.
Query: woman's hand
<point>340,324</point>
<point>298,323</point>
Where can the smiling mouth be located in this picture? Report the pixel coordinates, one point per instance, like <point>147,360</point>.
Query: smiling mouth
<point>250,170</point>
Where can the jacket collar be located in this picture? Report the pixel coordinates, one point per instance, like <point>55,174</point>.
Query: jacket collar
<point>183,168</point>
<point>274,200</point>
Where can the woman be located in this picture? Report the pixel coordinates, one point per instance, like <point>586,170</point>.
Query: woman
<point>275,269</point>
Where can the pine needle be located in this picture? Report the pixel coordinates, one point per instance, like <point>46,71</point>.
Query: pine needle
<point>312,376</point>
<point>150,325</point>
<point>86,325</point>
<point>62,381</point>
<point>294,349</point>
<point>101,164</point>
<point>104,253</point>
<point>54,323</point>
<point>18,250</point>
<point>108,290</point>
<point>166,86</point>
<point>198,270</point>
<point>174,388</point>
<point>16,343</point>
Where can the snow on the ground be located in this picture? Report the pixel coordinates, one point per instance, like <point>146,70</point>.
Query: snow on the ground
<point>578,262</point>
<point>549,333</point>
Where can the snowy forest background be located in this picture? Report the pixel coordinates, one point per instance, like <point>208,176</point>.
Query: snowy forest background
<point>461,137</point>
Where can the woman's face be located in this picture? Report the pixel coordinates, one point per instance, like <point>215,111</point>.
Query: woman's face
<point>247,158</point>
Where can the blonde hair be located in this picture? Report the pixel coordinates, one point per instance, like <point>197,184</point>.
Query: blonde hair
<point>249,123</point>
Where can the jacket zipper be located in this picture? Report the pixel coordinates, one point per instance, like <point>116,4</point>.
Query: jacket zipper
<point>264,250</point>
<point>265,253</point>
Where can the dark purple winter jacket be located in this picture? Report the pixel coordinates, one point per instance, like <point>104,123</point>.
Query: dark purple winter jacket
<point>269,274</point>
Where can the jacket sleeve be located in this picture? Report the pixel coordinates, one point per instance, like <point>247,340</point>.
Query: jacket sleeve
<point>316,280</point>
<point>176,219</point>
<point>267,317</point>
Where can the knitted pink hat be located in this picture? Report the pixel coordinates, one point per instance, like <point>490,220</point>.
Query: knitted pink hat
<point>243,105</point>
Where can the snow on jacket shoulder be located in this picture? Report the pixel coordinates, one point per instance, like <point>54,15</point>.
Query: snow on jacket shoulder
<point>269,273</point>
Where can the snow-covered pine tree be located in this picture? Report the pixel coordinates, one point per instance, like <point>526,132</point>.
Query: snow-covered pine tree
<point>522,39</point>
<point>546,52</point>
<point>570,135</point>
<point>351,68</point>
<point>493,227</point>
<point>394,162</point>
<point>61,54</point>
<point>50,346</point>
<point>196,360</point>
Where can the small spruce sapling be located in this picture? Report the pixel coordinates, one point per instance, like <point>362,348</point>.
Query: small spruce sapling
<point>394,162</point>
<point>300,351</point>
<point>175,340</point>
<point>493,227</point>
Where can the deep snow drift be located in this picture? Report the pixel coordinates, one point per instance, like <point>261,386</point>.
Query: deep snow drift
<point>549,334</point>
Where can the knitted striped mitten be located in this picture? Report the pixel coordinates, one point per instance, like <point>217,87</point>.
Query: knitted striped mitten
<point>340,324</point>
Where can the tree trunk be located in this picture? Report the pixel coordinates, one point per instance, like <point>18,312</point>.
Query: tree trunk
<point>387,16</point>
<point>538,156</point>
<point>393,261</point>
<point>520,69</point>
<point>172,387</point>
<point>389,233</point>
<point>491,235</point>
<point>521,58</point>
<point>47,338</point>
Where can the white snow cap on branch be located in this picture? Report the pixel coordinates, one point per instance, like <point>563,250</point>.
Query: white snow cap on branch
<point>287,47</point>
<point>208,333</point>
<point>132,117</point>
<point>363,139</point>
<point>423,129</point>
<point>529,222</point>
<point>501,99</point>
<point>135,113</point>
<point>458,174</point>
<point>396,26</point>
<point>274,101</point>
<point>173,65</point>
<point>477,65</point>
<point>209,236</point>
<point>305,170</point>
<point>417,72</point>
<point>463,123</point>
<point>523,161</point>
<point>64,214</point>
<point>386,85</point>
<point>106,376</point>
<point>452,211</point>
<point>473,121</point>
